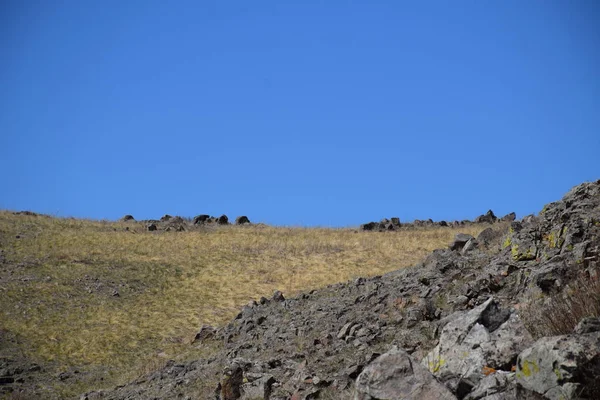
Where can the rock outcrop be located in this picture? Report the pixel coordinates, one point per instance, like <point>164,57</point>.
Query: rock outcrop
<point>453,326</point>
<point>394,223</point>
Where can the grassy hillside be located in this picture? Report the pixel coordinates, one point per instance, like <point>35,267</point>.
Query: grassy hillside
<point>95,294</point>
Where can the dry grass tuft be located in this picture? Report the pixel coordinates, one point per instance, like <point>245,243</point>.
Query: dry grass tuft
<point>560,313</point>
<point>60,278</point>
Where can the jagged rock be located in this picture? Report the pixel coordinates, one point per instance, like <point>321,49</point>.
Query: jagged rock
<point>459,241</point>
<point>509,217</point>
<point>549,276</point>
<point>223,220</point>
<point>488,218</point>
<point>127,218</point>
<point>561,367</point>
<point>486,336</point>
<point>242,220</point>
<point>588,325</point>
<point>278,296</point>
<point>469,246</point>
<point>395,221</point>
<point>230,386</point>
<point>152,227</point>
<point>165,218</point>
<point>258,389</point>
<point>206,332</point>
<point>396,375</point>
<point>498,385</point>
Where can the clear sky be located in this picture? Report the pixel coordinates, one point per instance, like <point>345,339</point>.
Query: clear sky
<point>304,112</point>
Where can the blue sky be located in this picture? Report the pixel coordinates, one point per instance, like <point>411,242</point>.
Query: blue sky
<point>326,113</point>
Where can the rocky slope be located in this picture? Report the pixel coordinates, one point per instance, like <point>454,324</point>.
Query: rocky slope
<point>453,327</point>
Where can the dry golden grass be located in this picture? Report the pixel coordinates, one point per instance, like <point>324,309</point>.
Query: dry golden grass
<point>57,282</point>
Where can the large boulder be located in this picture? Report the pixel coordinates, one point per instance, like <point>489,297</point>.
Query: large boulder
<point>561,367</point>
<point>223,220</point>
<point>127,218</point>
<point>484,337</point>
<point>488,236</point>
<point>396,375</point>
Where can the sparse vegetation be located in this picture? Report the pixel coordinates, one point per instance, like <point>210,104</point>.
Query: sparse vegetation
<point>560,313</point>
<point>92,293</point>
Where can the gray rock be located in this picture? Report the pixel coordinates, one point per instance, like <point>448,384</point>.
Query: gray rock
<point>258,389</point>
<point>165,218</point>
<point>488,235</point>
<point>469,246</point>
<point>562,367</point>
<point>152,227</point>
<point>395,221</point>
<point>499,384</point>
<point>460,240</point>
<point>396,375</point>
<point>485,336</point>
<point>588,325</point>
<point>128,218</point>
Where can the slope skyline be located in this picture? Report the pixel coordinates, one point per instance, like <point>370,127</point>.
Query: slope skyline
<point>300,113</point>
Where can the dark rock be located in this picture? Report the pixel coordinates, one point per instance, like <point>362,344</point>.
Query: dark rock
<point>242,220</point>
<point>206,332</point>
<point>231,383</point>
<point>28,213</point>
<point>201,219</point>
<point>152,227</point>
<point>370,226</point>
<point>223,220</point>
<point>127,218</point>
<point>509,217</point>
<point>487,218</point>
<point>165,218</point>
<point>278,296</point>
<point>395,221</point>
<point>587,325</point>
